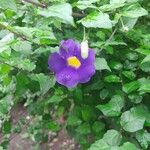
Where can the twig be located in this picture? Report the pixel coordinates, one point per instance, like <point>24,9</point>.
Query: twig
<point>75,14</point>
<point>12,31</point>
<point>42,5</point>
<point>110,38</point>
<point>22,36</point>
<point>36,3</point>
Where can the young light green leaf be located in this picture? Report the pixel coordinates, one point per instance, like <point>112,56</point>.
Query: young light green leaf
<point>117,1</point>
<point>97,20</point>
<point>6,40</point>
<point>134,11</point>
<point>110,7</point>
<point>24,47</point>
<point>8,4</point>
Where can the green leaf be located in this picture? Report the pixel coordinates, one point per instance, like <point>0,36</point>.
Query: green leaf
<point>98,126</point>
<point>97,20</point>
<point>101,64</point>
<point>112,79</point>
<point>5,41</point>
<point>55,99</point>
<point>132,56</point>
<point>134,11</point>
<point>145,64</point>
<point>22,82</point>
<point>112,137</point>
<point>61,11</point>
<point>128,146</point>
<point>99,145</point>
<point>104,93</point>
<point>83,129</point>
<point>143,51</point>
<point>6,128</point>
<point>116,65</point>
<point>144,85</point>
<point>5,105</point>
<point>73,121</point>
<point>46,82</point>
<point>25,64</point>
<point>53,126</point>
<point>110,7</point>
<point>133,119</point>
<point>129,74</point>
<point>87,113</point>
<point>8,4</point>
<point>85,4</point>
<point>143,138</point>
<point>129,22</point>
<point>113,107</point>
<point>132,1</point>
<point>135,98</point>
<point>117,1</point>
<point>24,47</point>
<point>130,87</point>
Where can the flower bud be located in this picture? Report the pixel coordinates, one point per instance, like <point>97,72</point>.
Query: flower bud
<point>84,49</point>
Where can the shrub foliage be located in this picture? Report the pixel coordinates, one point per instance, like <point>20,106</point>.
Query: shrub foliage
<point>112,111</point>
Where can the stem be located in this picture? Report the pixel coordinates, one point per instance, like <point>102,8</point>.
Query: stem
<point>75,14</point>
<point>22,36</point>
<point>84,36</point>
<point>110,38</point>
<point>122,22</point>
<point>9,28</point>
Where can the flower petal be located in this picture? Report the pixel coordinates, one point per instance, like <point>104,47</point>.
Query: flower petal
<point>56,62</point>
<point>85,72</point>
<point>68,48</point>
<point>67,77</point>
<point>87,69</point>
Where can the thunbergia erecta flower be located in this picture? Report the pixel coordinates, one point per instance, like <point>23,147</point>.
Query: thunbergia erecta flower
<point>69,66</point>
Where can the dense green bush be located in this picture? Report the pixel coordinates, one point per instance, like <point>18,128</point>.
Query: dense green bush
<point>111,111</point>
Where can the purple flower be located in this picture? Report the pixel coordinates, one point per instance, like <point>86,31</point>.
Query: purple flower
<point>68,65</point>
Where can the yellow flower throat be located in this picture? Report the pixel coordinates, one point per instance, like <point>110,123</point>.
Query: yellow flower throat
<point>74,62</point>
